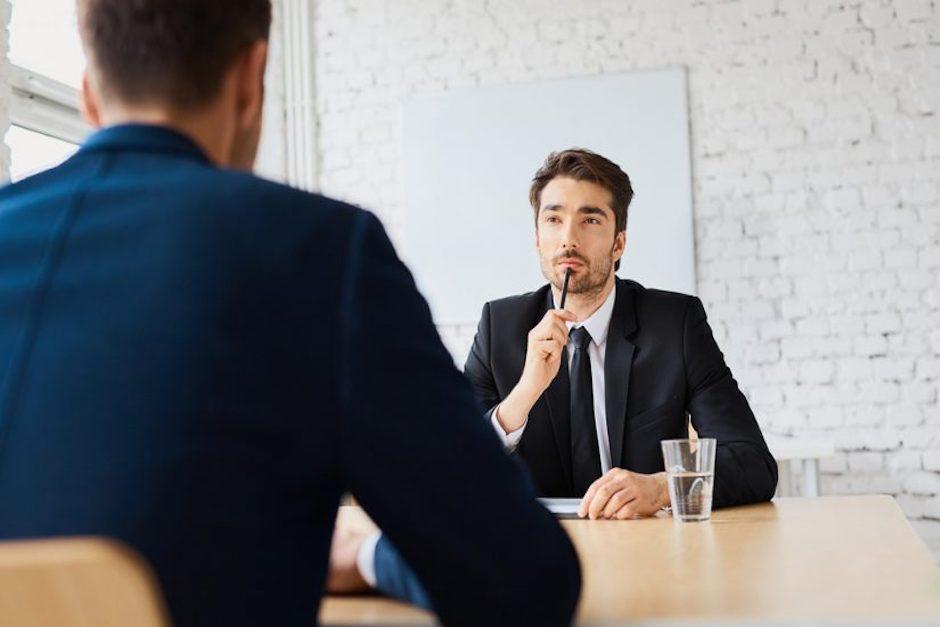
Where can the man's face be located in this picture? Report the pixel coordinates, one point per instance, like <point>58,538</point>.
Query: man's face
<point>576,228</point>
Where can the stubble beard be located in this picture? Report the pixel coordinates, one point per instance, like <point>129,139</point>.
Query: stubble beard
<point>588,284</point>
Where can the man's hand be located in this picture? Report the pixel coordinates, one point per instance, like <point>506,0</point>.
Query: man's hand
<point>546,341</point>
<point>343,574</point>
<point>622,494</point>
<point>544,351</point>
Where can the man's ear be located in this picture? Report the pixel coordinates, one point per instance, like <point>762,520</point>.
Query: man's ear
<point>88,102</point>
<point>250,86</point>
<point>620,245</point>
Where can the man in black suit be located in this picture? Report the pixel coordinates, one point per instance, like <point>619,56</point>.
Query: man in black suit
<point>584,395</point>
<point>199,363</point>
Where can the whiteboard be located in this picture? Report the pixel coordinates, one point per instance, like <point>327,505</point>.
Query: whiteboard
<point>469,157</point>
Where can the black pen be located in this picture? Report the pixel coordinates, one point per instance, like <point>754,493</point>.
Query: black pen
<point>564,288</point>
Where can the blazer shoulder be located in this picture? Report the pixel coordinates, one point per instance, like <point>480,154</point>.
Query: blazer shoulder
<point>518,304</point>
<point>249,204</point>
<point>660,311</point>
<point>43,185</point>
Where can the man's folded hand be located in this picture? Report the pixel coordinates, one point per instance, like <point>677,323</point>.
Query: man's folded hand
<point>621,494</point>
<point>343,574</point>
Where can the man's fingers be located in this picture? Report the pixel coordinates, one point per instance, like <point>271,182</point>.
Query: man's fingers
<point>563,314</point>
<point>617,501</point>
<point>610,476</point>
<point>556,330</point>
<point>560,334</point>
<point>601,497</point>
<point>625,512</point>
<point>549,348</point>
<point>614,495</point>
<point>550,329</point>
<point>343,573</point>
<point>589,496</point>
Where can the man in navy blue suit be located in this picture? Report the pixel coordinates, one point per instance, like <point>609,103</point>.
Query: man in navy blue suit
<point>199,363</point>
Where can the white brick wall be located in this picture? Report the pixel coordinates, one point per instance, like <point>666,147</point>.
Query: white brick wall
<point>815,129</point>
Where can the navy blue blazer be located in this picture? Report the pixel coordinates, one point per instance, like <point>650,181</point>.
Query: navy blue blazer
<point>199,363</point>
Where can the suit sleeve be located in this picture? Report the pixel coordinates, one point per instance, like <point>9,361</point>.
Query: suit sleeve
<point>745,471</point>
<point>394,578</point>
<point>425,466</point>
<point>477,368</point>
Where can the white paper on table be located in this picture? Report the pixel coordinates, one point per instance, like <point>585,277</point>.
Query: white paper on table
<point>562,508</point>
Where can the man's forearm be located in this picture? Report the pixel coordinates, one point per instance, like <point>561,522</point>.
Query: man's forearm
<point>513,411</point>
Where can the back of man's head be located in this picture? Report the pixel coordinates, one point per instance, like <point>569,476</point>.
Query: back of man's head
<point>170,52</point>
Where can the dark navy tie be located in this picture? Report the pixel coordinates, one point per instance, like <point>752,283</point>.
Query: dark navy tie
<point>585,456</point>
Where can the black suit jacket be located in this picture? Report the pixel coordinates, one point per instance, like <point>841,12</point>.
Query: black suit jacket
<point>661,364</point>
<point>199,362</point>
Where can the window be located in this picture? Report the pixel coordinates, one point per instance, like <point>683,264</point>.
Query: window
<point>48,62</point>
<point>44,38</point>
<point>34,152</point>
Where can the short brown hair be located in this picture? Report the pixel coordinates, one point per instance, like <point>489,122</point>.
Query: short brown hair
<point>168,51</point>
<point>583,165</point>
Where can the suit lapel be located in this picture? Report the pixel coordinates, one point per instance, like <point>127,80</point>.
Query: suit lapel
<point>618,361</point>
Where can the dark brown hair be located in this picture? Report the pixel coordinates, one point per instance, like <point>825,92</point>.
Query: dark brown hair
<point>583,165</point>
<point>168,51</point>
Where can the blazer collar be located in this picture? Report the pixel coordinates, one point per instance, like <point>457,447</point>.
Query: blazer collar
<point>618,364</point>
<point>623,319</point>
<point>144,137</point>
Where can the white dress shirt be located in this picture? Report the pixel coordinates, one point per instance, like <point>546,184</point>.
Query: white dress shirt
<point>597,325</point>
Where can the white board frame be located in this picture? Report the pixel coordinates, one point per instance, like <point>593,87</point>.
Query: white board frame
<point>469,156</point>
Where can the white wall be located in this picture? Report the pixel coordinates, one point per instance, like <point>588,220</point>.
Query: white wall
<point>815,131</point>
<point>272,158</point>
<point>6,11</point>
<point>454,181</point>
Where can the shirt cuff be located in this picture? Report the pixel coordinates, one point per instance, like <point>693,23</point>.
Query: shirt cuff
<point>365,558</point>
<point>510,440</point>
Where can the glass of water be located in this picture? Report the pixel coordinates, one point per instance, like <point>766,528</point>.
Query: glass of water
<point>690,471</point>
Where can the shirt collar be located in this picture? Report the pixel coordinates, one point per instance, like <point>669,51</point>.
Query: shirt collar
<point>598,323</point>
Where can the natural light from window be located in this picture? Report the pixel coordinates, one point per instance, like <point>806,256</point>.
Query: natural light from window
<point>44,39</point>
<point>34,152</point>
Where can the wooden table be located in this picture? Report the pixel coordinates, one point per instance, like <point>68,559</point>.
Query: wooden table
<point>842,558</point>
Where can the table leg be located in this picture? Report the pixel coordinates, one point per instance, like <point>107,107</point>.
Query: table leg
<point>810,477</point>
<point>784,478</point>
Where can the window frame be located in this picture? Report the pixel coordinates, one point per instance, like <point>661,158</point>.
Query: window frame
<point>44,105</point>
